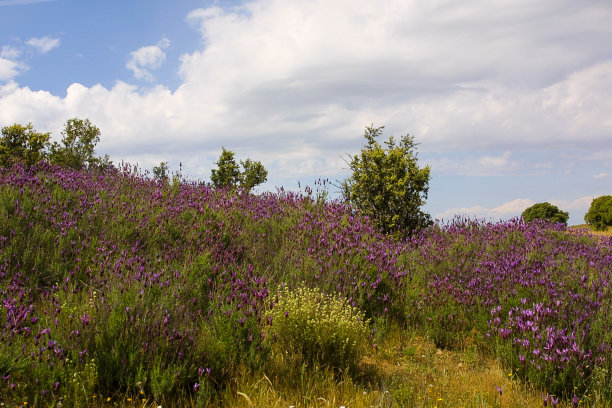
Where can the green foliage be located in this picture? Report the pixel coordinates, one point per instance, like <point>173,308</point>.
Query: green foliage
<point>228,172</point>
<point>599,216</point>
<point>253,174</point>
<point>22,143</point>
<point>77,148</point>
<point>387,183</point>
<point>319,328</point>
<point>161,172</point>
<point>545,211</point>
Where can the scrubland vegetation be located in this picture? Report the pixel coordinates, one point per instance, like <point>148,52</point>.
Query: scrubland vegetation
<point>122,290</point>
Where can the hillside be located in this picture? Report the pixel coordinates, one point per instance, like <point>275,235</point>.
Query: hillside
<point>121,290</point>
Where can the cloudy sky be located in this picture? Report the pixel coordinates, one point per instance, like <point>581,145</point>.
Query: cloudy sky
<point>510,100</point>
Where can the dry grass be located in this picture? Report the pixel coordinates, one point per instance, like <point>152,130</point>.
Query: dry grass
<point>406,370</point>
<point>585,227</point>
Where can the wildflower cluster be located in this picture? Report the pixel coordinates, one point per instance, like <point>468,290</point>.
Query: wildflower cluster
<point>322,329</point>
<point>113,282</point>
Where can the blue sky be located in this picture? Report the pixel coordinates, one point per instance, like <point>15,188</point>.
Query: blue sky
<point>510,100</point>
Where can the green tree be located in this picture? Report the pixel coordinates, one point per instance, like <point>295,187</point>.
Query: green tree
<point>20,142</point>
<point>253,174</point>
<point>387,183</point>
<point>161,172</point>
<point>545,211</point>
<point>599,216</point>
<point>77,148</point>
<point>228,174</point>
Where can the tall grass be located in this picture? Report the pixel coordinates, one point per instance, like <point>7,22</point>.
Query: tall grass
<point>115,287</point>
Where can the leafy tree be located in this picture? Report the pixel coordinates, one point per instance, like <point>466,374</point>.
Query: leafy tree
<point>253,174</point>
<point>161,172</point>
<point>228,174</point>
<point>387,183</point>
<point>22,143</point>
<point>545,211</point>
<point>599,216</point>
<point>77,148</point>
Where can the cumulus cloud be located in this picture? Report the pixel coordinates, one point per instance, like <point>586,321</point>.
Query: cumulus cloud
<point>515,208</point>
<point>43,44</point>
<point>8,69</point>
<point>509,209</point>
<point>9,52</point>
<point>147,58</point>
<point>294,83</point>
<point>482,165</point>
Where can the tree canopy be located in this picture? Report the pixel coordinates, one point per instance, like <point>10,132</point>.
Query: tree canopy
<point>20,142</point>
<point>387,184</point>
<point>599,216</point>
<point>545,211</point>
<point>228,173</point>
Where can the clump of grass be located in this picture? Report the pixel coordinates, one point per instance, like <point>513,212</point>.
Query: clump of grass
<point>321,329</point>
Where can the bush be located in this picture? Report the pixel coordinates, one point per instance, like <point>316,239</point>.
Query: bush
<point>319,328</point>
<point>545,211</point>
<point>599,216</point>
<point>388,185</point>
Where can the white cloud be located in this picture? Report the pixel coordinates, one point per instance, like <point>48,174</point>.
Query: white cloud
<point>600,175</point>
<point>294,83</point>
<point>43,44</point>
<point>579,205</point>
<point>577,208</point>
<point>8,69</point>
<point>9,52</point>
<point>147,58</point>
<point>484,165</point>
<point>507,210</point>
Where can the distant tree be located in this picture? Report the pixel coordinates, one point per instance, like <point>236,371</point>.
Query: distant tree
<point>387,183</point>
<point>77,148</point>
<point>545,211</point>
<point>228,174</point>
<point>20,142</point>
<point>253,174</point>
<point>599,216</point>
<point>161,172</point>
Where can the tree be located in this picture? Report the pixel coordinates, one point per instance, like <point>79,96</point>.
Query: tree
<point>545,211</point>
<point>161,172</point>
<point>228,173</point>
<point>387,183</point>
<point>77,149</point>
<point>599,216</point>
<point>253,174</point>
<point>20,142</point>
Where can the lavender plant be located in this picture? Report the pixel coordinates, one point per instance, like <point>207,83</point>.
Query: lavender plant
<point>112,283</point>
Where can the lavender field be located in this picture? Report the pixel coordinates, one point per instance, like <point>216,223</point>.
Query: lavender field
<point>116,286</point>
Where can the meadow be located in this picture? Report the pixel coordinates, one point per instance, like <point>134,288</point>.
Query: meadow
<point>121,290</point>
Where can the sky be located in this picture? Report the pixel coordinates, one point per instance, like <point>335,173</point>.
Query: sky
<point>509,101</point>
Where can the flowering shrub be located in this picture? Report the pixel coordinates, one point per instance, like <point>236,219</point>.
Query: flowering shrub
<point>322,329</point>
<point>112,282</point>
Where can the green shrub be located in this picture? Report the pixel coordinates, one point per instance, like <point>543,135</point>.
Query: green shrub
<point>599,216</point>
<point>545,211</point>
<point>387,183</point>
<point>319,328</point>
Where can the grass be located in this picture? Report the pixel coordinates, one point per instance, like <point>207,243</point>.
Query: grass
<point>585,227</point>
<point>406,370</point>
